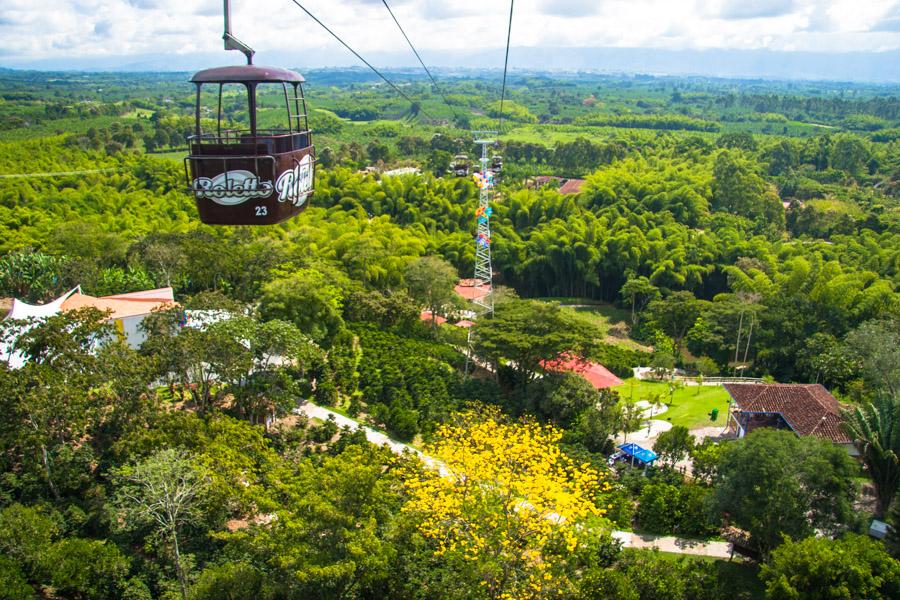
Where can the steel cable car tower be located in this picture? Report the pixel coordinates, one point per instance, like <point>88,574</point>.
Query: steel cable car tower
<point>483,293</point>
<point>483,283</point>
<point>484,272</point>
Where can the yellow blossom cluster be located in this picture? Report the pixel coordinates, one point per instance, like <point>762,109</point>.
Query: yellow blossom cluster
<point>504,492</point>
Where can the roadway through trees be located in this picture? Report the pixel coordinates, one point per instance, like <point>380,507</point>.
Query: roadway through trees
<point>629,539</point>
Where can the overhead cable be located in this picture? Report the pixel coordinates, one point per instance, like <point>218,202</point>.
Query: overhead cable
<point>357,55</point>
<point>413,48</point>
<point>505,65</point>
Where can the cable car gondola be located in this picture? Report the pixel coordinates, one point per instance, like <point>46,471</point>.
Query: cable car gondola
<point>251,176</point>
<point>497,164</point>
<point>460,166</point>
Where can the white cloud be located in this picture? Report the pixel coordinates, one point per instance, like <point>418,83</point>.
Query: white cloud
<point>755,9</point>
<point>570,8</point>
<point>276,28</point>
<point>890,21</point>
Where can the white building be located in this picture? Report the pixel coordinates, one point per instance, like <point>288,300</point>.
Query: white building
<point>126,311</point>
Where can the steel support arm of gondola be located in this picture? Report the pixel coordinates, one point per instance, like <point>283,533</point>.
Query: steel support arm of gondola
<point>231,42</point>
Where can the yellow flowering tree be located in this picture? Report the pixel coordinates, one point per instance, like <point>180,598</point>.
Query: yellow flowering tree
<point>506,506</point>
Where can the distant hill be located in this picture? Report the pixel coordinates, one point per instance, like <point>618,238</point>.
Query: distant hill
<point>853,66</point>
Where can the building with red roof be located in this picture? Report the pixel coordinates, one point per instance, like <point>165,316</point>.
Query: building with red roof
<point>125,311</point>
<point>470,290</point>
<point>596,374</point>
<point>571,186</point>
<point>566,186</point>
<point>425,315</point>
<point>805,409</point>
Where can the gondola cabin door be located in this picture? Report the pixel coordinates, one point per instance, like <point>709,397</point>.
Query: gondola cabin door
<point>251,173</point>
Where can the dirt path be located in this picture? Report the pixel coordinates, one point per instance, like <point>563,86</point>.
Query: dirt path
<point>628,538</point>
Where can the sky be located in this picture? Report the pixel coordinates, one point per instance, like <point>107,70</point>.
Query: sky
<point>93,33</point>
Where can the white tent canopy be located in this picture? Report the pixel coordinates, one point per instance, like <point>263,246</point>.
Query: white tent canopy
<point>25,317</point>
<point>23,310</point>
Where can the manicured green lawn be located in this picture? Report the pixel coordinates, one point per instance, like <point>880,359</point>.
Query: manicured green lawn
<point>690,406</point>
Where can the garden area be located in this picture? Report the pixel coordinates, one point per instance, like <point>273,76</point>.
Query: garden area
<point>689,406</point>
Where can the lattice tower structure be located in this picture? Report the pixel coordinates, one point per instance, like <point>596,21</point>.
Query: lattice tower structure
<point>484,272</point>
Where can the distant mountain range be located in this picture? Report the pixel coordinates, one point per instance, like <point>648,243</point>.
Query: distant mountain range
<point>879,67</point>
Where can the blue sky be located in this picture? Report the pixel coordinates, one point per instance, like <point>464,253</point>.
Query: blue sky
<point>44,31</point>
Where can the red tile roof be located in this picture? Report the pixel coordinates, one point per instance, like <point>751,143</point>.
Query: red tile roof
<point>466,288</point>
<point>595,373</point>
<point>123,305</point>
<point>571,186</point>
<point>425,315</point>
<point>166,294</point>
<point>808,408</point>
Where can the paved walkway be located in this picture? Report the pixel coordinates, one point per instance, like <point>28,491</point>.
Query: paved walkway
<point>628,538</point>
<point>673,544</point>
<point>373,435</point>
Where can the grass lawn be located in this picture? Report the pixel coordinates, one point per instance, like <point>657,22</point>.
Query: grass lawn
<point>836,206</point>
<point>600,315</point>
<point>690,405</point>
<point>176,155</point>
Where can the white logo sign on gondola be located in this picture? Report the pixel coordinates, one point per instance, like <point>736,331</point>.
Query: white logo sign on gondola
<point>232,187</point>
<point>295,184</point>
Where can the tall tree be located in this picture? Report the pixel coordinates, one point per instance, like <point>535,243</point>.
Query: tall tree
<point>739,189</point>
<point>332,537</point>
<point>309,298</point>
<point>638,291</point>
<point>851,567</point>
<point>439,162</point>
<point>164,491</point>
<point>675,314</point>
<point>876,346</point>
<point>674,445</point>
<point>280,354</point>
<point>773,484</point>
<point>515,513</point>
<point>55,401</point>
<point>431,281</point>
<point>198,357</point>
<point>31,276</point>
<point>528,332</point>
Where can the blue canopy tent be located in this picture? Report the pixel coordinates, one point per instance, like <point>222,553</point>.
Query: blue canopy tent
<point>636,453</point>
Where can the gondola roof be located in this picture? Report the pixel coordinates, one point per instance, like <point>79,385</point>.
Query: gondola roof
<point>246,74</point>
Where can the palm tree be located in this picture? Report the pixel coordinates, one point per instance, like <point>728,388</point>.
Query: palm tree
<point>875,429</point>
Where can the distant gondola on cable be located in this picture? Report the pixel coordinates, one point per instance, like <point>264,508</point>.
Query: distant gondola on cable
<point>460,165</point>
<point>252,176</point>
<point>496,164</point>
